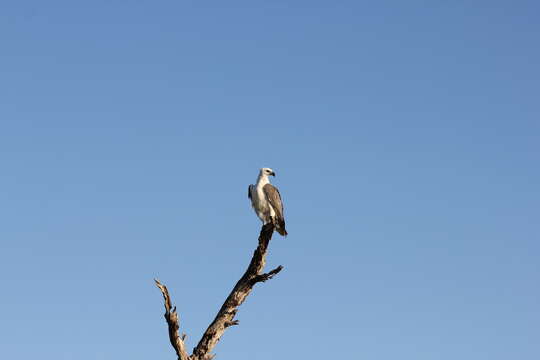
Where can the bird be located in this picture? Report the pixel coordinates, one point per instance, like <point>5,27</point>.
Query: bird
<point>266,201</point>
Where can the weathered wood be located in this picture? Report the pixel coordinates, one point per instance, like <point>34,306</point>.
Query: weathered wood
<point>171,317</point>
<point>225,315</point>
<point>241,290</point>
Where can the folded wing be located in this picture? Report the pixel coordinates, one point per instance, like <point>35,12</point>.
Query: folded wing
<point>274,198</point>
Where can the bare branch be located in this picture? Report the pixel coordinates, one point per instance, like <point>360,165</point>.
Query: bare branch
<point>267,276</point>
<point>225,316</point>
<point>172,321</point>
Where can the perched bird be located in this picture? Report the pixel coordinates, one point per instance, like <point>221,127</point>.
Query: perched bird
<point>266,201</point>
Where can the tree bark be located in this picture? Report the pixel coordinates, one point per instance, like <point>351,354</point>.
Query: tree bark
<point>225,315</point>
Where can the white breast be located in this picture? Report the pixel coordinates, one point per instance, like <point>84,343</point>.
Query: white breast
<point>261,206</point>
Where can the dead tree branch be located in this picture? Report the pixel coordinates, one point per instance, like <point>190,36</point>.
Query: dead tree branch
<point>173,323</point>
<point>225,315</point>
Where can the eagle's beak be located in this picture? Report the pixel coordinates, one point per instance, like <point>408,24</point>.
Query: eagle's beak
<point>273,173</point>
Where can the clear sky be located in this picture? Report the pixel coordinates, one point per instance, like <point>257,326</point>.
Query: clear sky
<point>405,136</point>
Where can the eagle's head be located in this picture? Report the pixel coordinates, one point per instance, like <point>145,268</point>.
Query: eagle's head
<point>267,172</point>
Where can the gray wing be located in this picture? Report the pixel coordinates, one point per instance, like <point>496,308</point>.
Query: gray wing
<point>274,198</point>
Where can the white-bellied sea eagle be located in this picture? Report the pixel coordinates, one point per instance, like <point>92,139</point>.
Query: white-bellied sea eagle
<point>266,201</point>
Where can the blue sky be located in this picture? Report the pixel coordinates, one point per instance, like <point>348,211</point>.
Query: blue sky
<point>404,135</point>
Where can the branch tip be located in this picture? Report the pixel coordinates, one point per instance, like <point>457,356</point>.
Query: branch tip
<point>172,322</point>
<point>231,323</point>
<point>267,276</point>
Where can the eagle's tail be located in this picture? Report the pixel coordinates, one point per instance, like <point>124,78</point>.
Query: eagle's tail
<point>280,227</point>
